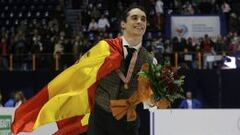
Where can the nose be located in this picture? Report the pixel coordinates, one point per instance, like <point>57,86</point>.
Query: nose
<point>139,20</point>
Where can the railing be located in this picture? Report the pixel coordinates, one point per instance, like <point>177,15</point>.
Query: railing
<point>196,60</point>
<point>33,62</point>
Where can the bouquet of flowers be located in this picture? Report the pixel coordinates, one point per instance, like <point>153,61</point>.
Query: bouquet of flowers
<point>161,85</point>
<point>165,83</point>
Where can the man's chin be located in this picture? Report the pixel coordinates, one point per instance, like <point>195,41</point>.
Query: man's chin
<point>139,33</point>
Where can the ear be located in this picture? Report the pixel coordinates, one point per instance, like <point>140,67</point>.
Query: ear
<point>122,25</point>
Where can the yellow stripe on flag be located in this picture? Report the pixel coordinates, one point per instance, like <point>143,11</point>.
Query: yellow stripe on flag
<point>85,119</point>
<point>68,92</point>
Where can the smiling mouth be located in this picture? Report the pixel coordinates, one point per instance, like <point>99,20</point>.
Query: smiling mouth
<point>140,28</point>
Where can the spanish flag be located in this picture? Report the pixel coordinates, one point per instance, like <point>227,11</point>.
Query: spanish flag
<point>69,97</point>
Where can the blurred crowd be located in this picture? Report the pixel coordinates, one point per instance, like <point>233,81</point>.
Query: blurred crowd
<point>15,99</point>
<point>53,37</point>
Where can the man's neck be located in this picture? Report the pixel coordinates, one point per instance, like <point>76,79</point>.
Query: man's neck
<point>133,41</point>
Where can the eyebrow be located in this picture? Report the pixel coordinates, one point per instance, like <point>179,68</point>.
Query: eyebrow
<point>138,15</point>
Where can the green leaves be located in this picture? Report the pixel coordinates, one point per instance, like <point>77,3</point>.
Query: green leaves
<point>165,82</point>
<point>143,74</point>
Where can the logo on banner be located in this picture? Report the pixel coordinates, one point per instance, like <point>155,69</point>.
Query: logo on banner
<point>182,30</point>
<point>5,124</point>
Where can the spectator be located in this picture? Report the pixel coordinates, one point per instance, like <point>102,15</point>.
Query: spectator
<point>226,10</point>
<point>3,53</point>
<point>77,47</point>
<point>168,48</point>
<point>158,45</point>
<point>175,43</point>
<point>226,7</point>
<point>159,13</point>
<point>1,98</point>
<point>152,17</point>
<point>37,46</point>
<point>93,26</point>
<point>220,45</point>
<point>3,47</point>
<point>95,13</point>
<point>20,45</point>
<point>58,48</point>
<point>67,59</point>
<point>207,48</point>
<point>103,23</point>
<point>234,45</point>
<point>10,102</point>
<point>189,9</point>
<point>182,44</point>
<point>190,102</point>
<point>19,98</point>
<point>3,63</point>
<point>189,46</point>
<point>233,23</point>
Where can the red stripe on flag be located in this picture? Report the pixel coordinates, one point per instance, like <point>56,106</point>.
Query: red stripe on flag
<point>71,126</point>
<point>26,114</point>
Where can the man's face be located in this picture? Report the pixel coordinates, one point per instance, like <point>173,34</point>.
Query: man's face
<point>189,95</point>
<point>135,23</point>
<point>17,97</point>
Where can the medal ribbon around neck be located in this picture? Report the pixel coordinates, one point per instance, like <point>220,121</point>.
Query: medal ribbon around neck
<point>130,70</point>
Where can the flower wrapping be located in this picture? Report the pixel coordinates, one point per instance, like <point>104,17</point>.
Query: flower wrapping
<point>157,84</point>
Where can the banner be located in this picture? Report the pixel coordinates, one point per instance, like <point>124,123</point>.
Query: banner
<point>5,124</point>
<point>195,122</point>
<point>6,117</point>
<point>196,26</point>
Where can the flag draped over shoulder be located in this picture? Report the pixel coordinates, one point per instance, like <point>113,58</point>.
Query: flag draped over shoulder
<point>68,98</point>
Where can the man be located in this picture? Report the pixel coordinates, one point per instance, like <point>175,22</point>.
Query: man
<point>10,102</point>
<point>1,98</point>
<point>190,103</point>
<point>122,83</point>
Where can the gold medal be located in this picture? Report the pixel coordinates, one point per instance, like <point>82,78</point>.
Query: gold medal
<point>125,86</point>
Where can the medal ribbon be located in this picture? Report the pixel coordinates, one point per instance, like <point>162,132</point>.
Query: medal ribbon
<point>130,70</point>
